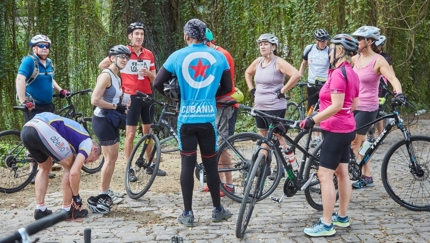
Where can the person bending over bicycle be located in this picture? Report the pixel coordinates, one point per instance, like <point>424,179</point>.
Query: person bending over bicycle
<point>202,73</point>
<point>338,98</point>
<point>48,136</point>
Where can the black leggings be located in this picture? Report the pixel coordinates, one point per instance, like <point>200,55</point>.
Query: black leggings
<point>204,135</point>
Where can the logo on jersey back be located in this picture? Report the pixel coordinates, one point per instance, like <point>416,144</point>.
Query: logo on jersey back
<point>196,69</point>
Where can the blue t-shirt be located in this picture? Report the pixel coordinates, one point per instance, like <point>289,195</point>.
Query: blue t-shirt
<point>41,89</point>
<point>199,69</point>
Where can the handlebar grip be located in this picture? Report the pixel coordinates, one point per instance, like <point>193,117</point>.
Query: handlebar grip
<point>11,238</point>
<point>87,235</point>
<point>20,107</point>
<point>46,222</point>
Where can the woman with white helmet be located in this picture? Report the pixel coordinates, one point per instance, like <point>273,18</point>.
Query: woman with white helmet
<point>369,66</point>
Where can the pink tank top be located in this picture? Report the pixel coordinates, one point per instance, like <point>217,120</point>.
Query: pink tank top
<point>369,83</point>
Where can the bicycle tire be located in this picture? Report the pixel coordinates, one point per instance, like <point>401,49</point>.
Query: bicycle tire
<point>95,166</point>
<point>293,112</point>
<point>140,161</point>
<point>301,140</point>
<point>407,189</point>
<point>250,199</point>
<point>245,145</point>
<point>169,145</point>
<point>313,191</point>
<point>15,168</point>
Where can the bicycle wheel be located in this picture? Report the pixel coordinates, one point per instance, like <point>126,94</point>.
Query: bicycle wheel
<point>251,195</point>
<point>293,112</point>
<point>235,161</point>
<point>95,166</point>
<point>302,139</point>
<point>169,144</point>
<point>15,168</point>
<point>406,187</point>
<point>145,152</point>
<point>313,191</point>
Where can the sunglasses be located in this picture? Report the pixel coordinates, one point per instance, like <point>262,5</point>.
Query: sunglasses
<point>360,38</point>
<point>41,46</point>
<point>124,57</point>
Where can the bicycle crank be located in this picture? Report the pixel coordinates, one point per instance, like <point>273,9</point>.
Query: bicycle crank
<point>289,188</point>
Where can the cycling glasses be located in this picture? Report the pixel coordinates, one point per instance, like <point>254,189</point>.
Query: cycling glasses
<point>123,56</point>
<point>41,46</point>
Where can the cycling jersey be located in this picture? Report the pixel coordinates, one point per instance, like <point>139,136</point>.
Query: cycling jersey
<point>318,62</point>
<point>41,89</point>
<point>71,131</point>
<point>343,121</point>
<point>130,83</point>
<point>199,69</point>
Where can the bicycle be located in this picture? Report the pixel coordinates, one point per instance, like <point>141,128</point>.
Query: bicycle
<point>298,111</point>
<point>22,235</point>
<point>15,165</point>
<point>260,166</point>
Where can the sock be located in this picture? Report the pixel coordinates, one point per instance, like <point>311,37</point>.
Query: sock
<point>342,217</point>
<point>218,208</point>
<point>105,192</point>
<point>328,225</point>
<point>41,207</point>
<point>229,185</point>
<point>67,208</point>
<point>187,212</point>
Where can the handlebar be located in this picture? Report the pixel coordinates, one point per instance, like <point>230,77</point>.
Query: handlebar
<point>284,121</point>
<point>84,91</point>
<point>33,228</point>
<point>149,98</point>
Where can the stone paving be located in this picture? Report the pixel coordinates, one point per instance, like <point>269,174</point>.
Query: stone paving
<point>375,217</point>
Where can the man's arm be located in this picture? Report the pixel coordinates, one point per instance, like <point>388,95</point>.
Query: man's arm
<point>225,84</point>
<point>162,77</point>
<point>20,87</point>
<point>104,63</point>
<point>303,66</point>
<point>56,86</point>
<point>75,174</point>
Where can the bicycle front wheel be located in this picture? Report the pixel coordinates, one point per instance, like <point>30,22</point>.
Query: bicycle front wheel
<point>15,168</point>
<point>138,176</point>
<point>95,166</point>
<point>251,195</point>
<point>293,112</point>
<point>407,186</point>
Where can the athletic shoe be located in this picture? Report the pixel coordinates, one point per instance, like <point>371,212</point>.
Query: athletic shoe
<point>38,214</point>
<point>315,141</point>
<point>231,190</point>
<point>365,181</point>
<point>186,220</point>
<point>131,176</point>
<point>116,194</point>
<point>74,214</point>
<point>320,229</point>
<point>218,216</point>
<point>115,197</point>
<point>150,170</point>
<point>340,221</point>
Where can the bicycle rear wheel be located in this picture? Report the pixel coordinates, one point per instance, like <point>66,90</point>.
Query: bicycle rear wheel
<point>145,152</point>
<point>406,187</point>
<point>15,168</point>
<point>235,159</point>
<point>251,195</point>
<point>95,166</point>
<point>168,142</point>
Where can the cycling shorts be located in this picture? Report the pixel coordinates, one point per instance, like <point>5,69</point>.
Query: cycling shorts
<point>105,132</point>
<point>140,108</point>
<point>335,149</point>
<point>263,123</point>
<point>362,118</point>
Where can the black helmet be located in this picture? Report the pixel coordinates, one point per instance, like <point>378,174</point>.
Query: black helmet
<point>321,35</point>
<point>348,42</point>
<point>100,204</point>
<point>118,50</point>
<point>133,26</point>
<point>171,89</point>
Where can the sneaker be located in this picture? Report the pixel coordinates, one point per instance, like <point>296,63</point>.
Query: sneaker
<point>231,190</point>
<point>38,214</point>
<point>131,176</point>
<point>186,220</point>
<point>150,170</point>
<point>365,181</point>
<point>115,197</point>
<point>340,221</point>
<point>218,216</point>
<point>320,229</point>
<point>116,194</point>
<point>74,214</point>
<point>315,141</point>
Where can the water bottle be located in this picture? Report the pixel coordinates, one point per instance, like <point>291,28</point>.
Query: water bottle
<point>365,147</point>
<point>289,155</point>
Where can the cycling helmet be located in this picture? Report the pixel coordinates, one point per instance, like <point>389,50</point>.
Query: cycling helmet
<point>133,26</point>
<point>209,34</point>
<point>321,35</point>
<point>347,41</point>
<point>380,41</point>
<point>100,204</point>
<point>268,37</point>
<point>171,89</point>
<point>39,38</point>
<point>370,32</point>
<point>118,50</point>
<point>237,95</point>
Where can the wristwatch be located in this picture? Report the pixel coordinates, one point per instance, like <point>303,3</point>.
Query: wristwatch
<point>114,106</point>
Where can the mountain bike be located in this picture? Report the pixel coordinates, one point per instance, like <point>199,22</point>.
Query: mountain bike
<point>16,169</point>
<point>299,111</point>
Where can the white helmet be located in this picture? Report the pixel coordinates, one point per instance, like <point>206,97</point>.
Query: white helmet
<point>368,32</point>
<point>39,38</point>
<point>100,204</point>
<point>269,38</point>
<point>380,41</point>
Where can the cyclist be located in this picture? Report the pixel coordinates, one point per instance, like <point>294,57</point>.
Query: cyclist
<point>137,75</point>
<point>269,73</point>
<point>316,56</point>
<point>338,98</point>
<point>369,66</point>
<point>35,80</point>
<point>225,120</point>
<point>49,136</point>
<point>202,73</point>
<point>106,97</point>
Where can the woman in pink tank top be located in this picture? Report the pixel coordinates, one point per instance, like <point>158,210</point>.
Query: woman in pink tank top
<point>369,67</point>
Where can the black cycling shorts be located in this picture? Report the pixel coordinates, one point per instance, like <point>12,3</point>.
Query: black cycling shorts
<point>335,149</point>
<point>263,123</point>
<point>364,117</point>
<point>140,108</point>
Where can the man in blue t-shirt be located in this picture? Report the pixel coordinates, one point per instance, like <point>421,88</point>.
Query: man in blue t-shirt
<point>202,74</point>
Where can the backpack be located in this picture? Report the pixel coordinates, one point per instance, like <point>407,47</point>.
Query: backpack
<point>36,71</point>
<point>305,56</point>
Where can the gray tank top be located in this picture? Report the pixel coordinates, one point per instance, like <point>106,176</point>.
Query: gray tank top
<point>268,80</point>
<point>111,94</point>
